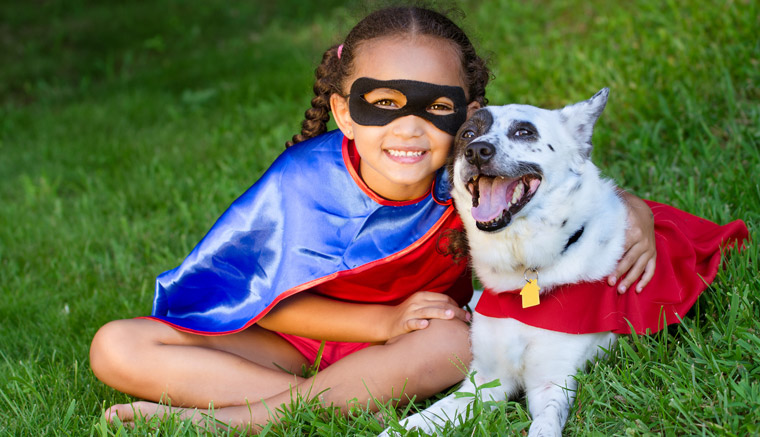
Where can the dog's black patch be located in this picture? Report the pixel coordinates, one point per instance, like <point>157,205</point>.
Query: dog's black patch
<point>476,126</point>
<point>479,124</point>
<point>523,131</point>
<point>576,187</point>
<point>550,147</point>
<point>573,239</point>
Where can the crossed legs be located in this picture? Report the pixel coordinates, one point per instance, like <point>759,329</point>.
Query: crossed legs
<point>238,374</point>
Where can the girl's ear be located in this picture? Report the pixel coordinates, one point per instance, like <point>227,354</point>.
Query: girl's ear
<point>339,107</point>
<point>471,108</point>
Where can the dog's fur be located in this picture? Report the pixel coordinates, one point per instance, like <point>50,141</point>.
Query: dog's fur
<point>532,145</point>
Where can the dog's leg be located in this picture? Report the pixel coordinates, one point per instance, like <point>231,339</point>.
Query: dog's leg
<point>452,408</point>
<point>448,408</point>
<point>549,382</point>
<point>549,405</point>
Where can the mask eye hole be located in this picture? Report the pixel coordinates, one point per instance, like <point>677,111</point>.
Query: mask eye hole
<point>386,98</point>
<point>442,106</point>
<point>385,104</point>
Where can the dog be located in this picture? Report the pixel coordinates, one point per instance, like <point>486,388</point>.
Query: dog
<point>535,211</point>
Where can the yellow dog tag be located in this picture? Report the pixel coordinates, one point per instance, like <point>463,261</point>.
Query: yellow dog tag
<point>529,294</point>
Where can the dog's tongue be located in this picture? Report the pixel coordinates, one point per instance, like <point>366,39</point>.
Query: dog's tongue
<point>493,198</point>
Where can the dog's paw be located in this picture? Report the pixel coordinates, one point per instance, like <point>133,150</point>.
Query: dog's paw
<point>542,428</point>
<point>415,421</point>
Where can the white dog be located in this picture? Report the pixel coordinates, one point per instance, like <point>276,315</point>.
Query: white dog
<point>534,207</point>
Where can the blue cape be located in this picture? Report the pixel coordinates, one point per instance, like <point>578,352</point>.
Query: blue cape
<point>303,221</point>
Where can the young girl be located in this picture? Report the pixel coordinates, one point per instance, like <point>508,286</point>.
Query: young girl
<point>343,240</point>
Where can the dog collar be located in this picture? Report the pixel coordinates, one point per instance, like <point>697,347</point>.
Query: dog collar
<point>419,97</point>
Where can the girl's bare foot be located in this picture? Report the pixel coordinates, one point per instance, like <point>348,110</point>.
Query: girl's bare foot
<point>130,413</point>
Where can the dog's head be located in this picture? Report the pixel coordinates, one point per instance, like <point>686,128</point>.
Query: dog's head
<point>504,156</point>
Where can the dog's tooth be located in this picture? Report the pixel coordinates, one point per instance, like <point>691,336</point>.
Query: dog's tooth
<point>476,191</point>
<point>517,194</point>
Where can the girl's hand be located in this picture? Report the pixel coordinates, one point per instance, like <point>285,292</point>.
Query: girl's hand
<point>640,251</point>
<point>417,310</point>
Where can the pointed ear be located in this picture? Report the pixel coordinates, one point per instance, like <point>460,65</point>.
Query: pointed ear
<point>579,119</point>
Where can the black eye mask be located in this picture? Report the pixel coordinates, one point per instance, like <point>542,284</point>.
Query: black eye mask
<point>419,97</point>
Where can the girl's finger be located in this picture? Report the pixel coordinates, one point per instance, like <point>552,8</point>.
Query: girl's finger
<point>633,274</point>
<point>625,264</point>
<point>462,315</point>
<point>435,312</point>
<point>416,324</point>
<point>447,313</point>
<point>648,274</point>
<point>431,297</point>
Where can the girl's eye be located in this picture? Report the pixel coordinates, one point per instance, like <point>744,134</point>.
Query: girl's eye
<point>385,104</point>
<point>468,134</point>
<point>440,109</point>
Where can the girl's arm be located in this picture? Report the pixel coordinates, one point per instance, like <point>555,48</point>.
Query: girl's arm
<point>313,316</point>
<point>640,251</point>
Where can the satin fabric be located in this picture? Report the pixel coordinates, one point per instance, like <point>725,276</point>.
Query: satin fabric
<point>689,252</point>
<point>307,221</point>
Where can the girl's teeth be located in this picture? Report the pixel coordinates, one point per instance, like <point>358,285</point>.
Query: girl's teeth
<point>404,153</point>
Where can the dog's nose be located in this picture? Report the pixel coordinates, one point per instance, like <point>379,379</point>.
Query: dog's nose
<point>479,152</point>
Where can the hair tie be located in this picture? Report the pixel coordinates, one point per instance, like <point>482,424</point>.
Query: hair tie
<point>340,50</point>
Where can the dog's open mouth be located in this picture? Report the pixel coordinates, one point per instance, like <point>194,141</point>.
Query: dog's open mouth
<point>495,200</point>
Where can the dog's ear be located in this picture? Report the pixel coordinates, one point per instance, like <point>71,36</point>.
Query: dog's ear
<point>579,119</point>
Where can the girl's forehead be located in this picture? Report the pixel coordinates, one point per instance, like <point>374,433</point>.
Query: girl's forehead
<point>419,58</point>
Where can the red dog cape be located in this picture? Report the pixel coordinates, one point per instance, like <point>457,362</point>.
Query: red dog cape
<point>311,223</point>
<point>688,256</point>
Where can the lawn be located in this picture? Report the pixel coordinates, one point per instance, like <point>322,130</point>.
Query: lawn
<point>127,128</point>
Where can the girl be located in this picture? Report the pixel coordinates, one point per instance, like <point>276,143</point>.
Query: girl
<point>341,240</point>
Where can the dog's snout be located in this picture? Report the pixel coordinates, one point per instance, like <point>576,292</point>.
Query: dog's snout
<point>479,152</point>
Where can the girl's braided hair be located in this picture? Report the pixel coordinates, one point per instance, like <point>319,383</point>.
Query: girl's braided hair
<point>333,71</point>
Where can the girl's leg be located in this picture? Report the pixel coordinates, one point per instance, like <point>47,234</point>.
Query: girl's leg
<point>151,360</point>
<point>420,363</point>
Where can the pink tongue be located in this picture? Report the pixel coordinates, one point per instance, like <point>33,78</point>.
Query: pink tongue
<point>493,198</point>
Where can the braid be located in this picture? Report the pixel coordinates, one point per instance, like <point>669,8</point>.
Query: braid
<point>478,76</point>
<point>327,82</point>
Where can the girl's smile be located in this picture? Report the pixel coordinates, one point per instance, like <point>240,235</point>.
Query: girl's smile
<point>405,156</point>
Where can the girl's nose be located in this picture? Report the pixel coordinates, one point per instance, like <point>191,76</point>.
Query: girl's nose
<point>409,126</point>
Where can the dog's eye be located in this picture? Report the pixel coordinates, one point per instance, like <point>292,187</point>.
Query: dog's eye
<point>468,134</point>
<point>523,133</point>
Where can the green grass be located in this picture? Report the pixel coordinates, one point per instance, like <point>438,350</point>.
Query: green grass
<point>125,130</point>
